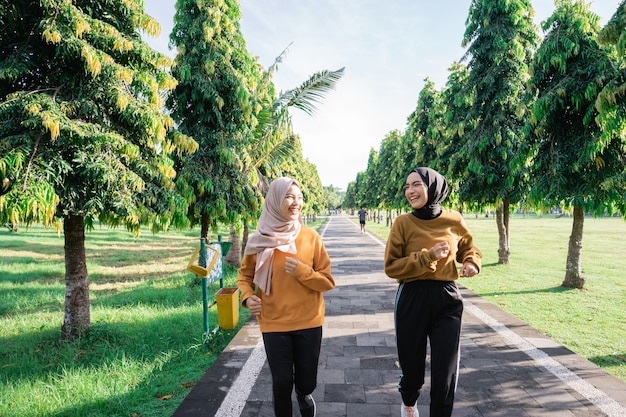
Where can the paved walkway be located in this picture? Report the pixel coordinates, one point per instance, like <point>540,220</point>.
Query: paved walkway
<point>507,368</point>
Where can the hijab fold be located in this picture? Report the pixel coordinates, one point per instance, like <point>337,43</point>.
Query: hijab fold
<point>273,232</point>
<point>437,192</point>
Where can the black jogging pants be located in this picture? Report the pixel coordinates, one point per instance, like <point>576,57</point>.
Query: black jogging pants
<point>429,310</point>
<point>293,358</point>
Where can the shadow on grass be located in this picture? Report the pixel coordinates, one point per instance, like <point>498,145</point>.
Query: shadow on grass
<point>548,290</point>
<point>136,251</point>
<point>29,246</point>
<point>18,304</point>
<point>606,361</point>
<point>104,265</point>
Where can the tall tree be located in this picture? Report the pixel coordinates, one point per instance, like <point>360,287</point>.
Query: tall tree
<point>570,163</point>
<point>422,127</point>
<point>333,196</point>
<point>82,134</point>
<point>349,199</point>
<point>360,187</point>
<point>501,38</point>
<point>215,102</point>
<point>370,190</point>
<point>611,102</point>
<point>389,176</point>
<point>454,130</point>
<point>456,100</point>
<point>406,161</point>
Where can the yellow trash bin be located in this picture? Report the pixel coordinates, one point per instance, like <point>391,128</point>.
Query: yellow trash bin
<point>227,307</point>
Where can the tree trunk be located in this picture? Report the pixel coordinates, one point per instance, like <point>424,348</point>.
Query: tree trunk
<point>233,256</point>
<point>204,227</point>
<point>77,307</point>
<point>502,220</point>
<point>244,240</point>
<point>573,267</point>
<point>507,217</point>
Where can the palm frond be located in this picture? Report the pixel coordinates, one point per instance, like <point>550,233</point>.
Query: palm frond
<point>278,151</point>
<point>274,67</point>
<point>311,92</point>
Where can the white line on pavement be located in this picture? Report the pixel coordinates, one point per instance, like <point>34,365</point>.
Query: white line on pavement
<point>325,227</point>
<point>235,400</point>
<point>605,403</point>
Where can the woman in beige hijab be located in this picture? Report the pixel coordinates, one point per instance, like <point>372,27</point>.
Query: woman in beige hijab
<point>283,273</point>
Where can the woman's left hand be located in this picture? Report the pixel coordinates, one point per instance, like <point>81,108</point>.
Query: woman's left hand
<point>469,269</point>
<point>290,265</point>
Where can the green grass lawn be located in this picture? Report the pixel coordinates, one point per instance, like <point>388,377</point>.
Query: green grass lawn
<point>592,321</point>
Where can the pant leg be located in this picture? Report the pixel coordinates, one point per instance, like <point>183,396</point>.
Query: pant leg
<point>279,351</point>
<point>307,344</point>
<point>412,324</point>
<point>444,350</point>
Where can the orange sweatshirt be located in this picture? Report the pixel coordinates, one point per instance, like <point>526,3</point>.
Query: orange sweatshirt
<point>295,301</point>
<point>407,255</point>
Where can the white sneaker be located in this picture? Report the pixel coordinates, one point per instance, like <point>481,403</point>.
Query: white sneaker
<point>409,411</point>
<point>307,406</point>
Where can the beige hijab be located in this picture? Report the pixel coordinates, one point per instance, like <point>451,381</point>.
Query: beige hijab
<point>273,232</point>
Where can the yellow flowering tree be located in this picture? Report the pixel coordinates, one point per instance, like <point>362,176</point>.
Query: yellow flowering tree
<point>216,101</point>
<point>83,137</point>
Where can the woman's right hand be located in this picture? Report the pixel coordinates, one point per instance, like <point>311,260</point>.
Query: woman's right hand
<point>254,303</point>
<point>440,250</point>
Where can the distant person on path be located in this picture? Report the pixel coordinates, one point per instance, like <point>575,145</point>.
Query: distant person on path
<point>420,254</point>
<point>284,271</point>
<point>362,217</point>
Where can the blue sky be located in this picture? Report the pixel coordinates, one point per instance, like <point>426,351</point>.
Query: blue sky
<point>387,48</point>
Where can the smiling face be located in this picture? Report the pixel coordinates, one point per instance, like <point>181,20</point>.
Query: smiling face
<point>291,206</point>
<point>416,191</point>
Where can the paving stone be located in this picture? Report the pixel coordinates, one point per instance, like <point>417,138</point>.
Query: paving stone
<point>345,393</point>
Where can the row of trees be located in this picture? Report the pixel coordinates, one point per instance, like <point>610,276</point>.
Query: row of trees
<point>528,121</point>
<point>97,126</point>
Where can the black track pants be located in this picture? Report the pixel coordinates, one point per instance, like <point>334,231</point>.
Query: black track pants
<point>293,358</point>
<point>429,310</point>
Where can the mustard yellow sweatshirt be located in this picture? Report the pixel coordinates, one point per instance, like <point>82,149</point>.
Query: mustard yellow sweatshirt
<point>407,254</point>
<point>295,301</point>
